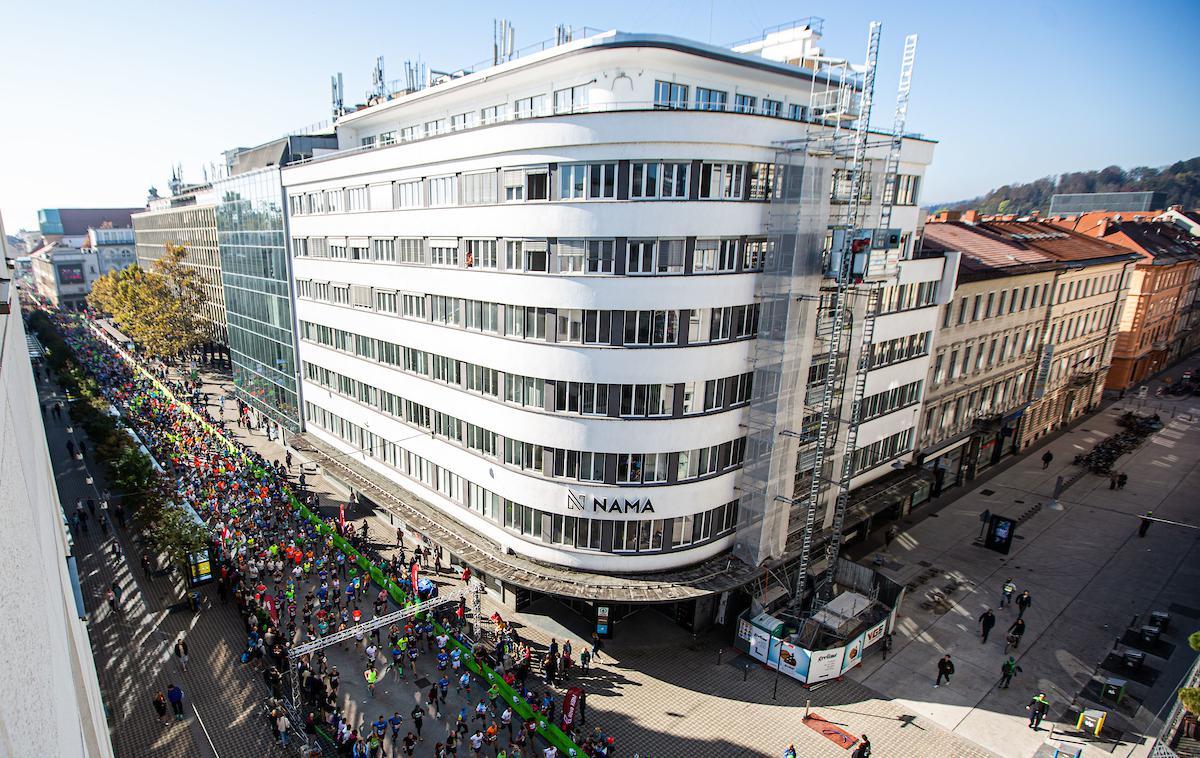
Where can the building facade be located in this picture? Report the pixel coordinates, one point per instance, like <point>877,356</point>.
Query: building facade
<point>188,219</point>
<point>52,703</point>
<point>540,316</point>
<point>985,356</point>
<point>114,249</point>
<point>1156,320</point>
<point>255,276</point>
<point>63,275</point>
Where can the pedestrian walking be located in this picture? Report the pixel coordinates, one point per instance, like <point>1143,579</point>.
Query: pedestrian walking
<point>146,565</point>
<point>372,677</point>
<point>945,669</point>
<point>886,644</point>
<point>160,707</point>
<point>1015,632</point>
<point>1037,709</point>
<point>1046,458</point>
<point>1142,527</point>
<point>1122,478</point>
<point>1112,480</point>
<point>889,535</point>
<point>790,752</point>
<point>175,696</point>
<point>1008,670</point>
<point>114,604</point>
<point>181,653</point>
<point>282,725</point>
<point>863,750</point>
<point>1006,592</point>
<point>597,646</point>
<point>418,717</point>
<point>1024,600</point>
<point>986,621</point>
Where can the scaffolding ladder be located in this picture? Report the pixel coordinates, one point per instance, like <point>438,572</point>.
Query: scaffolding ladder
<point>874,294</point>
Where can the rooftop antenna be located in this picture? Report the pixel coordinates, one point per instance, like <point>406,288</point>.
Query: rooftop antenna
<point>563,34</point>
<point>337,95</point>
<point>503,37</point>
<point>377,80</point>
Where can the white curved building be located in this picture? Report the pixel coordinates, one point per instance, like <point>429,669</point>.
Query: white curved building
<point>531,294</point>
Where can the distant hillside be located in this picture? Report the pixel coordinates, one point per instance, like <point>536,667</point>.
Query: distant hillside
<point>1180,182</point>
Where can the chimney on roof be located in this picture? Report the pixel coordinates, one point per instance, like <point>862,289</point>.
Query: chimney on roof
<point>970,217</point>
<point>1176,208</point>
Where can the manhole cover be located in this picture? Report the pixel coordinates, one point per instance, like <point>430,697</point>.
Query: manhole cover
<point>987,492</point>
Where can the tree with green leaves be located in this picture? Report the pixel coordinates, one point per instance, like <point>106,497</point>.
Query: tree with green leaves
<point>175,532</point>
<point>160,308</point>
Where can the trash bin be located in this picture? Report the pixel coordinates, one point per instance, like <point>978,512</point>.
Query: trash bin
<point>1160,619</point>
<point>1149,634</point>
<point>1091,721</point>
<point>1114,690</point>
<point>1133,659</point>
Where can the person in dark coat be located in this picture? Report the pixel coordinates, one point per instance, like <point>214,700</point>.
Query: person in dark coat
<point>986,621</point>
<point>945,669</point>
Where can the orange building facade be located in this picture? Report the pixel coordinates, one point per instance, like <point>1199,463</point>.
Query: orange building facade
<point>1153,327</point>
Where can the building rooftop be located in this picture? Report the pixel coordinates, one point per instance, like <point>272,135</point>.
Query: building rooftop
<point>1006,248</point>
<point>1160,241</point>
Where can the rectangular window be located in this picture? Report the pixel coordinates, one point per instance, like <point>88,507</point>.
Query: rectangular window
<point>639,258</point>
<point>407,194</point>
<point>383,251</point>
<point>443,253</point>
<point>643,180</point>
<point>385,301</point>
<point>670,257</point>
<point>772,108</point>
<point>479,188</point>
<point>571,99</point>
<point>670,95</point>
<point>461,121</point>
<point>571,255</point>
<point>435,127</point>
<point>529,107</point>
<point>600,256</point>
<point>443,191</point>
<point>721,181</point>
<point>602,181</point>
<point>356,199</point>
<point>710,99</point>
<point>414,306</point>
<point>536,255</point>
<point>674,180</point>
<point>762,180</point>
<point>481,254</point>
<point>797,112</point>
<point>537,185</point>
<point>572,181</point>
<point>745,103</point>
<point>493,113</point>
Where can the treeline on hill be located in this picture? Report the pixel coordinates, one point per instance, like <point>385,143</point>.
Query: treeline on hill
<point>1180,182</point>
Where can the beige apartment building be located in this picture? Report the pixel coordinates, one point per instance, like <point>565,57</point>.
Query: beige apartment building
<point>1024,344</point>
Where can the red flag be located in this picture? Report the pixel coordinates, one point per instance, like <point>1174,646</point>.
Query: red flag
<point>342,518</point>
<point>416,570</point>
<point>570,706</point>
<point>270,599</point>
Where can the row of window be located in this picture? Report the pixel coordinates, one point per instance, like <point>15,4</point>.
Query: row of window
<point>890,400</point>
<point>900,349</point>
<point>601,534</point>
<point>944,419</point>
<point>586,466</point>
<point>601,180</point>
<point>904,297</point>
<point>995,304</point>
<point>634,257</point>
<point>989,351</point>
<point>885,449</point>
<point>557,325</point>
<point>556,396</point>
<point>1081,324</point>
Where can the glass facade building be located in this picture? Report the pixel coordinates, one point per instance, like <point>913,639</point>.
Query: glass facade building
<point>252,236</point>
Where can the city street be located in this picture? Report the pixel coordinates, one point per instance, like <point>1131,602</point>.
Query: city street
<point>1090,577</point>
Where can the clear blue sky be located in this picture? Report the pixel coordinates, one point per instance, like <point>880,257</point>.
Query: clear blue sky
<point>101,98</point>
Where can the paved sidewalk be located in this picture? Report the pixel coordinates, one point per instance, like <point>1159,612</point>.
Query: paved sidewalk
<point>1086,568</point>
<point>133,649</point>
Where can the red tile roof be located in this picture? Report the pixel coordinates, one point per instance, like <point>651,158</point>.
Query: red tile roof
<point>1000,248</point>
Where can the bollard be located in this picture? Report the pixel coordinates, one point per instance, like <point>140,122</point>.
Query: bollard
<point>807,704</point>
<point>745,672</point>
<point>720,650</point>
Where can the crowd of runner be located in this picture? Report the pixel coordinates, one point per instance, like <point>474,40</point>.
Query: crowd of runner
<point>292,585</point>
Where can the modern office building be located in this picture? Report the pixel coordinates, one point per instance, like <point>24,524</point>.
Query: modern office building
<point>188,218</point>
<point>52,703</point>
<point>255,268</point>
<point>63,274</point>
<point>1121,202</point>
<point>532,303</point>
